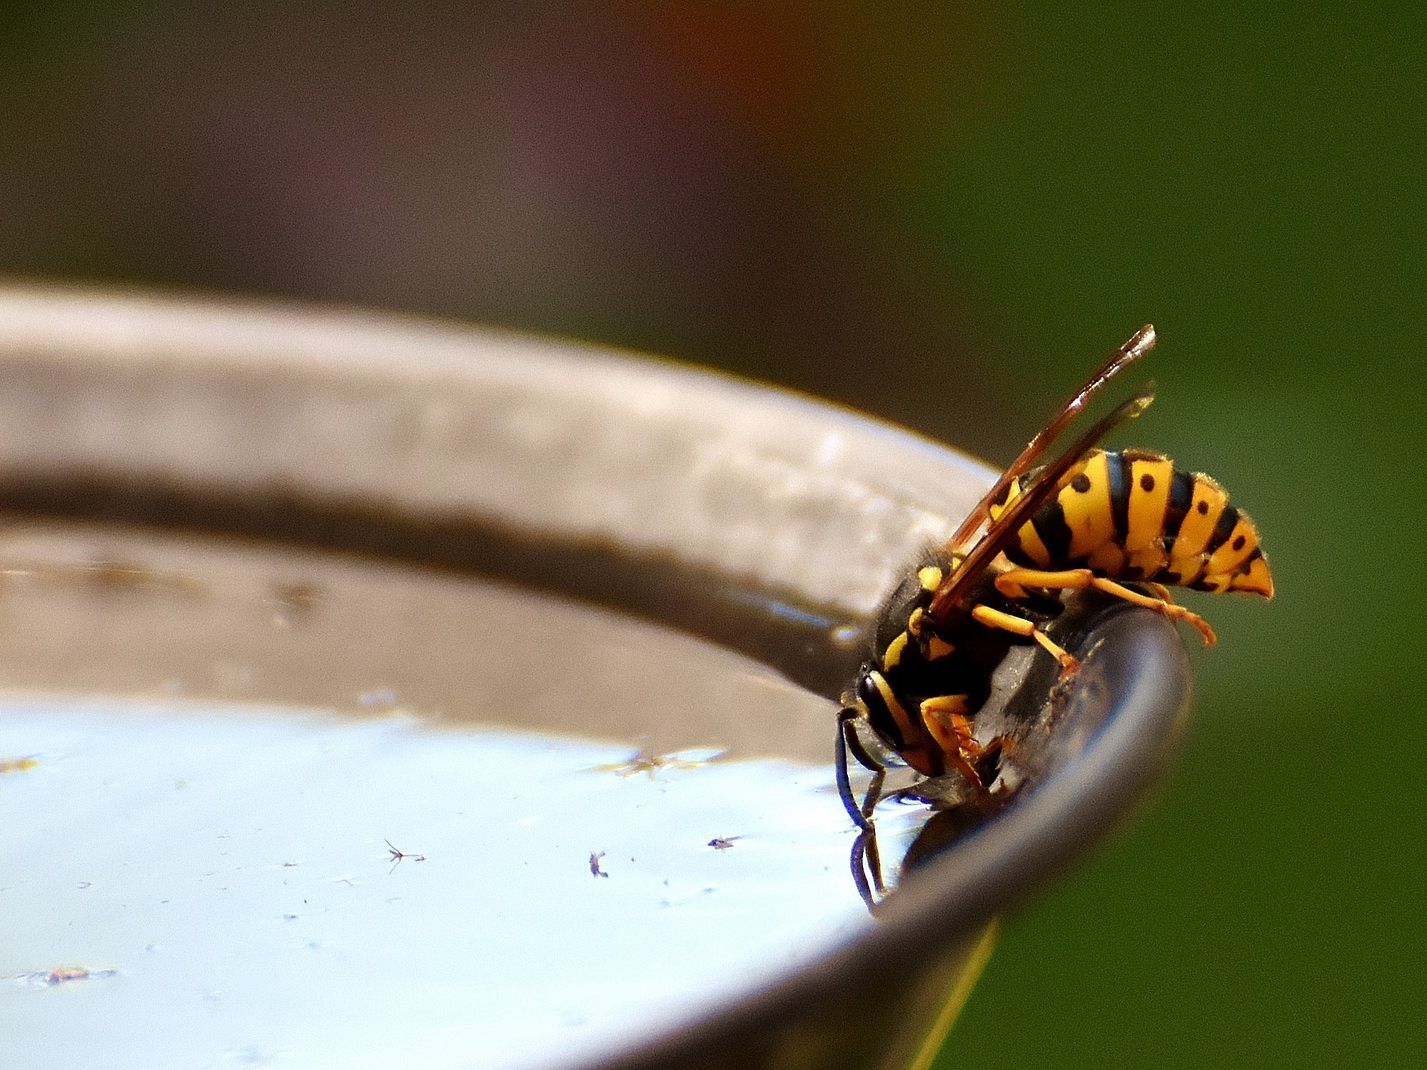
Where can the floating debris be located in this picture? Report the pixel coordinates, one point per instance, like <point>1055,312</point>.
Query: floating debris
<point>63,975</point>
<point>652,763</point>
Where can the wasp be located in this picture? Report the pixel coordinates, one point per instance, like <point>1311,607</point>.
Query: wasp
<point>1129,524</point>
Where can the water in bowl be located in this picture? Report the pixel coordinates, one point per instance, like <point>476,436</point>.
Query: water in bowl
<point>265,806</point>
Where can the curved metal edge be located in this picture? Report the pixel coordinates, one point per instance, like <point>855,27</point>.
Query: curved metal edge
<point>955,894</point>
<point>440,421</point>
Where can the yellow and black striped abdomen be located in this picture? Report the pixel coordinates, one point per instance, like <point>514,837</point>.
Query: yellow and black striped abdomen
<point>1133,515</point>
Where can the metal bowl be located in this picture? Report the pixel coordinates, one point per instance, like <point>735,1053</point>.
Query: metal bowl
<point>171,464</point>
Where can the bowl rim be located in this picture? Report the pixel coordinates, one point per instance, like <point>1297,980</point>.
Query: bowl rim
<point>959,893</point>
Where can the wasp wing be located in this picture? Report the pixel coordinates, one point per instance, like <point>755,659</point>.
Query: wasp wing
<point>962,580</point>
<point>1139,343</point>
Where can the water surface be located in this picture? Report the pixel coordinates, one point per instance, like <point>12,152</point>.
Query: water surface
<point>596,840</point>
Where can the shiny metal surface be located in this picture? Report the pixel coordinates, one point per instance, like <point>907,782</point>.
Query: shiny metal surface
<point>369,466</point>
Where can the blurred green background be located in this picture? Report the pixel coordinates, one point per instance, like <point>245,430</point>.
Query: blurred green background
<point>943,216</point>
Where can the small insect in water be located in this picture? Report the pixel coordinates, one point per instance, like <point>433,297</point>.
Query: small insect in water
<point>398,856</point>
<point>1126,523</point>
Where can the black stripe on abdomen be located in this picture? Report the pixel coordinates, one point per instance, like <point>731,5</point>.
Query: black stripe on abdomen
<point>1117,466</point>
<point>1223,528</point>
<point>1181,493</point>
<point>1055,533</point>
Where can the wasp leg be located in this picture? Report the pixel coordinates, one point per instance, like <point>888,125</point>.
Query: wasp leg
<point>946,719</point>
<point>1002,746</point>
<point>847,742</point>
<point>1081,578</point>
<point>994,618</point>
<point>867,859</point>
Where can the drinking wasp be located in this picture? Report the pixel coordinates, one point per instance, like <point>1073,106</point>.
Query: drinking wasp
<point>1126,523</point>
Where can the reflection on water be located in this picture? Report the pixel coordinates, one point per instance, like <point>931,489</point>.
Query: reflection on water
<point>219,886</point>
<point>882,856</point>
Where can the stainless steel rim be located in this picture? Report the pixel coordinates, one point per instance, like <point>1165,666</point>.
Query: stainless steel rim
<point>739,479</point>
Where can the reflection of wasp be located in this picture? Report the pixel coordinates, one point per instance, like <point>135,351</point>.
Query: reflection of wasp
<point>1087,520</point>
<point>939,832</point>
